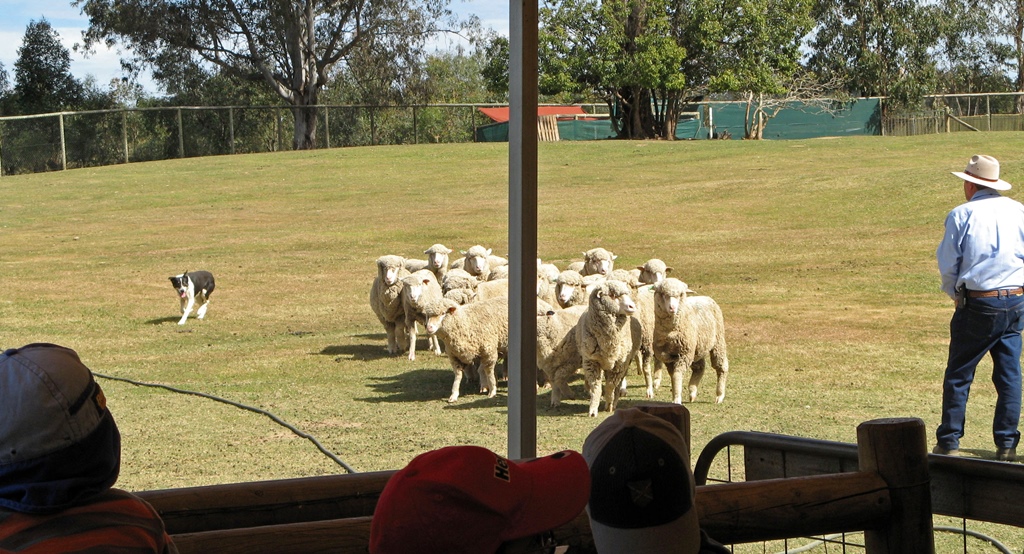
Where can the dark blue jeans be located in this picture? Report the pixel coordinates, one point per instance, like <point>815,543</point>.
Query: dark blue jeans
<point>984,325</point>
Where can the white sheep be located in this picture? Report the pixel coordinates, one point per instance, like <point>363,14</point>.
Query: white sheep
<point>483,291</point>
<point>608,338</point>
<point>688,331</point>
<point>419,290</point>
<point>576,266</point>
<point>499,272</point>
<point>653,271</point>
<point>474,333</point>
<point>547,271</point>
<point>386,300</point>
<point>558,357</point>
<point>598,261</point>
<point>436,262</point>
<point>645,358</point>
<point>573,289</point>
<point>479,262</point>
<point>458,278</point>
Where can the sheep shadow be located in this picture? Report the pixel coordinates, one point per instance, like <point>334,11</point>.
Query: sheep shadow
<point>418,385</point>
<point>358,352</point>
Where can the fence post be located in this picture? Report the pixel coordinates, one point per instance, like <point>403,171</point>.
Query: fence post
<point>988,110</point>
<point>231,127</point>
<point>124,134</point>
<point>897,450</point>
<point>1,151</point>
<point>415,128</point>
<point>327,126</point>
<point>277,123</point>
<point>63,145</point>
<point>373,127</point>
<point>181,135</point>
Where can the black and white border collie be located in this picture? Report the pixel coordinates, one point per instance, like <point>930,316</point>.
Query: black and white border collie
<point>194,288</point>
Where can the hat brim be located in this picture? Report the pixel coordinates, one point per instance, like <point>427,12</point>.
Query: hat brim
<point>683,534</point>
<point>998,184</point>
<point>560,489</point>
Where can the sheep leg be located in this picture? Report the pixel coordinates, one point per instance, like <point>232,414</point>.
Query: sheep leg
<point>696,374</point>
<point>411,326</point>
<point>592,375</point>
<point>644,360</point>
<point>560,387</point>
<point>488,382</point>
<point>659,366</point>
<point>612,388</point>
<point>389,328</point>
<point>459,368</point>
<point>434,344</point>
<point>676,369</point>
<point>401,336</point>
<point>721,364</point>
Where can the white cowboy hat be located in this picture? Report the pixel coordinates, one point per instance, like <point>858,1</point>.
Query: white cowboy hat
<point>983,170</point>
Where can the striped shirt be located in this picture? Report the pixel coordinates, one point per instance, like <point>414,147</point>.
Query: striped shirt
<point>983,244</point>
<point>116,521</point>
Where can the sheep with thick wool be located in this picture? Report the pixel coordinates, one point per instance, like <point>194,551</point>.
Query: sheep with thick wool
<point>558,357</point>
<point>437,261</point>
<point>418,291</point>
<point>386,300</point>
<point>479,262</point>
<point>653,271</point>
<point>476,333</point>
<point>573,289</point>
<point>608,337</point>
<point>689,331</point>
<point>598,261</point>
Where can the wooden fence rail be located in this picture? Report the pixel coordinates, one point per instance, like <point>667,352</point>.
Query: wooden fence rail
<point>888,497</point>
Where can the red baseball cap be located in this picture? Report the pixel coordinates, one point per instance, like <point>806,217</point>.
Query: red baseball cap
<point>467,499</point>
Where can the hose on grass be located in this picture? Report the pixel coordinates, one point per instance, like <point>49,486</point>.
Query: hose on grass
<point>273,417</point>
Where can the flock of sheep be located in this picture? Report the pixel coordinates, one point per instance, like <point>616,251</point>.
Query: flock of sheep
<point>590,317</point>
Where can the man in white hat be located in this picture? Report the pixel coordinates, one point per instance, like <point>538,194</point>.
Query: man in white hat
<point>981,260</point>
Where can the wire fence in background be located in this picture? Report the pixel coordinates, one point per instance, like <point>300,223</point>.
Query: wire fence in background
<point>49,142</point>
<point>53,142</point>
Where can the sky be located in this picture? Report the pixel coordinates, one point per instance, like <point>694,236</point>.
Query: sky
<point>104,64</point>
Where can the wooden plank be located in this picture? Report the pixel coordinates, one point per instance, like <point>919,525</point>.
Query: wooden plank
<point>547,128</point>
<point>195,509</point>
<point>785,508</point>
<point>340,536</point>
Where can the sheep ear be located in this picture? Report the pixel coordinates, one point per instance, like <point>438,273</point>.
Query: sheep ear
<point>668,270</point>
<point>614,256</point>
<point>489,251</point>
<point>640,267</point>
<point>452,309</point>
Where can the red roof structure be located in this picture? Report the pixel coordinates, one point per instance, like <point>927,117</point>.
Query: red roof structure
<point>500,115</point>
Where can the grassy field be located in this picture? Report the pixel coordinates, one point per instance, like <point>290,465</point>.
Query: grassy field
<point>820,252</point>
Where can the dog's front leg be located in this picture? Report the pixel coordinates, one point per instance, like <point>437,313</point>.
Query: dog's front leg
<point>186,310</point>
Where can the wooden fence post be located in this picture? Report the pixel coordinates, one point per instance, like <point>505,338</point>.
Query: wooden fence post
<point>63,144</point>
<point>897,450</point>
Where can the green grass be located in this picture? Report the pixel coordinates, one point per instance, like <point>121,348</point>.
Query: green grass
<point>820,252</point>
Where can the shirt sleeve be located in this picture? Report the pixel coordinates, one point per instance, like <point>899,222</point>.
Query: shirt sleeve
<point>949,255</point>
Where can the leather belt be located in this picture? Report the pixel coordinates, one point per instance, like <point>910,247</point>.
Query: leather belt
<point>995,293</point>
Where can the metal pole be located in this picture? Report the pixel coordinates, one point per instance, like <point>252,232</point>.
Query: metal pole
<point>415,130</point>
<point>522,193</point>
<point>231,128</point>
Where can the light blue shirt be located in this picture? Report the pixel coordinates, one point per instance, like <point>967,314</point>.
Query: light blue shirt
<point>983,244</point>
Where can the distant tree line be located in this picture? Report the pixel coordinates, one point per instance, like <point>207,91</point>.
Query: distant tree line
<point>647,59</point>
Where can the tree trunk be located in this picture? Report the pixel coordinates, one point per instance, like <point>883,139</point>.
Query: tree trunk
<point>305,127</point>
